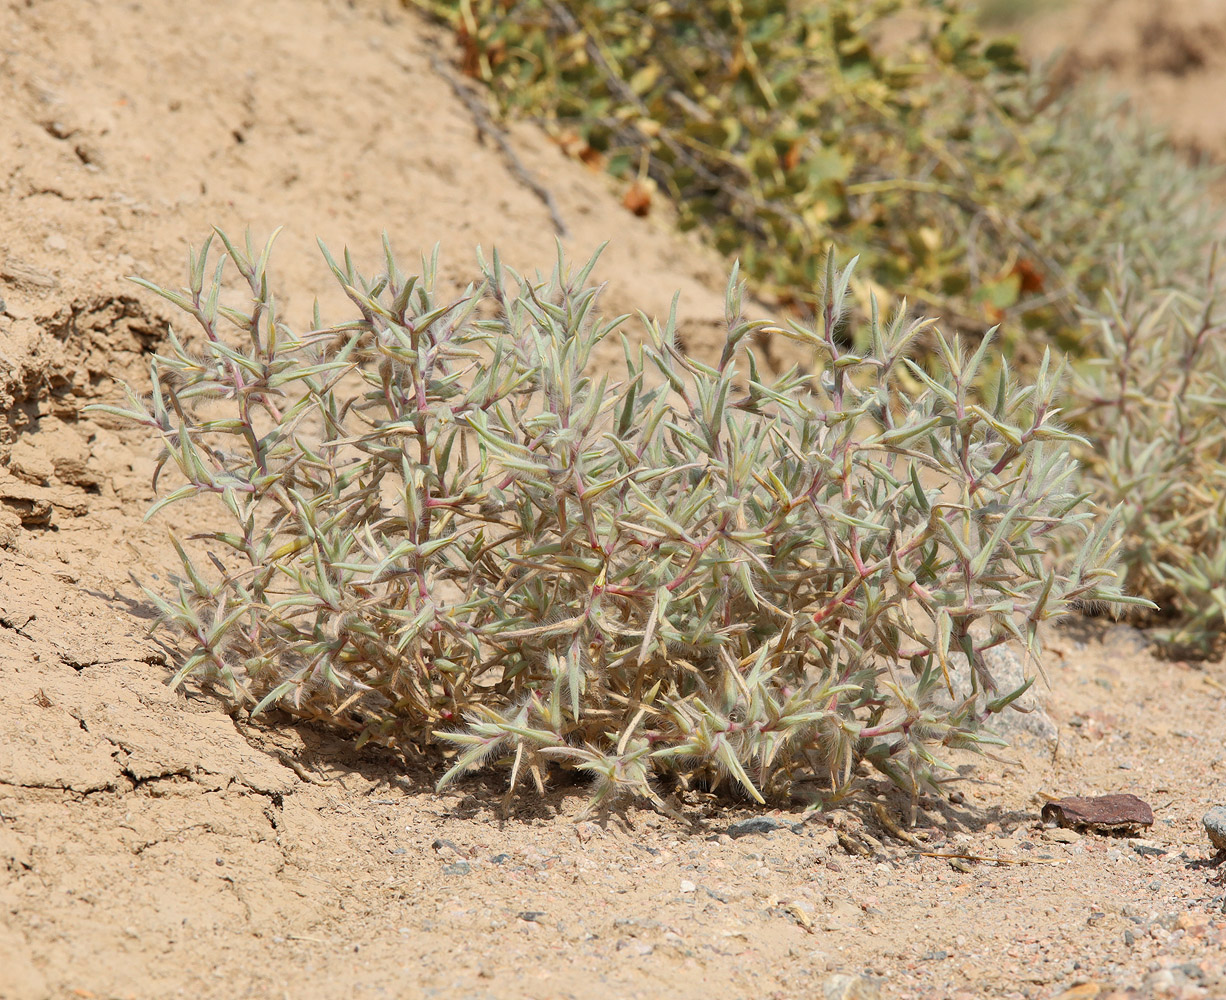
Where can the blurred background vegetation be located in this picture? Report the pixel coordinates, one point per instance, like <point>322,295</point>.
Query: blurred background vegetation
<point>894,129</point>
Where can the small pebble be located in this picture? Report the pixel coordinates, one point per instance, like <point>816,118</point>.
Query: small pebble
<point>1214,822</point>
<point>842,987</point>
<point>1195,924</point>
<point>757,824</point>
<point>687,886</point>
<point>1147,848</point>
<point>825,839</point>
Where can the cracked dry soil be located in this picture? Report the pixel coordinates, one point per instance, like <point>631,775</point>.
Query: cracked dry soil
<point>152,846</point>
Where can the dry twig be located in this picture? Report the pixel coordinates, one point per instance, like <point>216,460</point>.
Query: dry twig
<point>481,118</point>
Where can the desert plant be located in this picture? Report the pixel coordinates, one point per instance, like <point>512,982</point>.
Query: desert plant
<point>444,526</point>
<point>1152,400</point>
<point>888,126</point>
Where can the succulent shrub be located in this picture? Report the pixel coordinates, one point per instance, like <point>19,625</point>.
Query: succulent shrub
<point>1152,401</point>
<point>888,126</point>
<point>438,522</point>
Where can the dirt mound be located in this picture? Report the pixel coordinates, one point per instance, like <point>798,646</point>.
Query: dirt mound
<point>151,845</point>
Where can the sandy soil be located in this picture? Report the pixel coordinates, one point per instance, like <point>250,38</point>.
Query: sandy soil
<point>1169,57</point>
<point>153,846</point>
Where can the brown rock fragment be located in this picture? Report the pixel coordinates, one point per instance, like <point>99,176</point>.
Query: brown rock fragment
<point>1100,812</point>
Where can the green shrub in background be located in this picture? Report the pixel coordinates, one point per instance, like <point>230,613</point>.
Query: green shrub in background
<point>443,527</point>
<point>888,126</point>
<point>1152,395</point>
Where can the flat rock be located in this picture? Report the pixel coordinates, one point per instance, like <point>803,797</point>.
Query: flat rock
<point>1101,812</point>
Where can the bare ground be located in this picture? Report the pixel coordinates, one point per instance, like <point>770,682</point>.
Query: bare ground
<point>153,846</point>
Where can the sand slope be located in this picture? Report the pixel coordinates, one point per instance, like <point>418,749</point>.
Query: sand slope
<point>152,846</point>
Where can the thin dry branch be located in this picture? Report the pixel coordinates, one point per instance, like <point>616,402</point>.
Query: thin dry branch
<point>486,127</point>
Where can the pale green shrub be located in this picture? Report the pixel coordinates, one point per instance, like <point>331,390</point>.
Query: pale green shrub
<point>1152,400</point>
<point>446,526</point>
